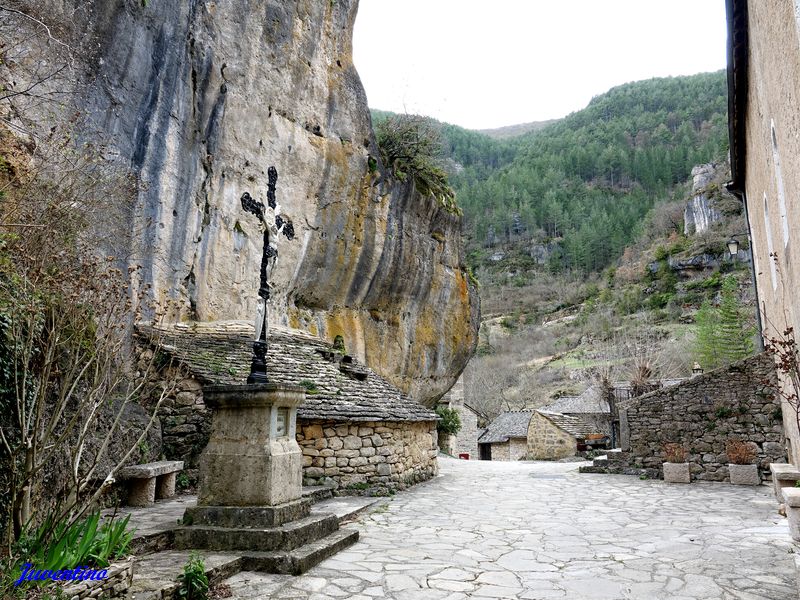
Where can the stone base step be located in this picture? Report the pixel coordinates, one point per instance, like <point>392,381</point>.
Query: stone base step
<point>346,508</point>
<point>317,493</point>
<point>300,560</point>
<point>156,575</point>
<point>286,537</point>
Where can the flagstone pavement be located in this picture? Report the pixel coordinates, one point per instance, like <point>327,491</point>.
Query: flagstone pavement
<point>535,530</point>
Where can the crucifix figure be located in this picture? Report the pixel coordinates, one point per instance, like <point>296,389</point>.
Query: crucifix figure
<point>272,225</point>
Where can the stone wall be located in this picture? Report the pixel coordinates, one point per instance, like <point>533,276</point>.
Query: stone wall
<point>500,451</point>
<point>703,413</point>
<point>185,424</point>
<point>513,449</point>
<point>467,438</point>
<point>384,454</point>
<point>116,585</point>
<point>546,441</point>
<point>771,170</point>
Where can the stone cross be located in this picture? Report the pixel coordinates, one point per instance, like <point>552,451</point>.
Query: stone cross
<point>272,225</point>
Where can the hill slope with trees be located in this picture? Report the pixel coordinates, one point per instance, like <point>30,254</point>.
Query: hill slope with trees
<point>587,181</point>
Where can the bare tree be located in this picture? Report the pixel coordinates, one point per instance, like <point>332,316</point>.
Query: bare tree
<point>67,313</point>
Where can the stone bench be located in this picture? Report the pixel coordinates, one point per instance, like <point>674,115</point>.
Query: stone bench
<point>149,482</point>
<point>784,475</point>
<point>791,499</point>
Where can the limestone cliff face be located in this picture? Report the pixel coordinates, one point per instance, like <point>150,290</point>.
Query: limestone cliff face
<point>701,211</point>
<point>202,97</point>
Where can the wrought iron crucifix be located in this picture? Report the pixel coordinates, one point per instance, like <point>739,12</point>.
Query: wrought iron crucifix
<point>272,225</point>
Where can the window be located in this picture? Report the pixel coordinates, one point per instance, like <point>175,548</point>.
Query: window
<point>770,247</point>
<point>776,160</point>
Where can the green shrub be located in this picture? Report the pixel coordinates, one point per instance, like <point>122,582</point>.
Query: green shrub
<point>661,253</point>
<point>65,546</point>
<point>311,387</point>
<point>411,146</point>
<point>193,581</point>
<point>449,422</point>
<point>507,323</point>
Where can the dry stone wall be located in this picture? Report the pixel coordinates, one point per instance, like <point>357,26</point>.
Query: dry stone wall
<point>546,441</point>
<point>368,455</point>
<point>513,449</point>
<point>467,438</point>
<point>387,455</point>
<point>704,413</point>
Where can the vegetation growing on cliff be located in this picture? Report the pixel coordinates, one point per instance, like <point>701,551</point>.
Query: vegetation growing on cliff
<point>411,146</point>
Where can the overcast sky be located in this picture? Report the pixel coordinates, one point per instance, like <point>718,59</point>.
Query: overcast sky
<point>489,63</point>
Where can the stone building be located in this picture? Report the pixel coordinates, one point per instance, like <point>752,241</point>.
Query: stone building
<point>355,428</point>
<point>764,127</point>
<point>552,436</point>
<point>506,438</point>
<point>466,440</point>
<point>702,414</point>
<point>590,407</point>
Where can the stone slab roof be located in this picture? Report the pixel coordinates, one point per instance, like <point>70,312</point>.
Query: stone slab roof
<point>575,426</point>
<point>220,353</point>
<point>507,425</point>
<point>589,402</point>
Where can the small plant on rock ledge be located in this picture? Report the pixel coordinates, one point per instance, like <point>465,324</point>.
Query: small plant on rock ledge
<point>193,581</point>
<point>674,453</point>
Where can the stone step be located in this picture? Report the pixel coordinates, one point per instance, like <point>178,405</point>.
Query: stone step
<point>286,537</point>
<point>317,493</point>
<point>156,576</point>
<point>301,559</point>
<point>346,508</point>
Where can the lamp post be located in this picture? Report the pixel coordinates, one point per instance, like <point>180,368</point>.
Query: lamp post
<point>733,248</point>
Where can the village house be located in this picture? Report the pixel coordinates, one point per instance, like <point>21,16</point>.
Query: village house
<point>355,429</point>
<point>464,444</point>
<point>506,438</point>
<point>764,128</point>
<point>538,435</point>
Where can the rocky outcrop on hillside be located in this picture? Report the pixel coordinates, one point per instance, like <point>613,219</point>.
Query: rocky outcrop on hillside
<point>200,98</point>
<point>701,211</point>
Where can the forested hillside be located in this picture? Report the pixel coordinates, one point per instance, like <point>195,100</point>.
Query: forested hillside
<point>582,185</point>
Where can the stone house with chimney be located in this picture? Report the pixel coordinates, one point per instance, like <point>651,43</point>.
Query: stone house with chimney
<point>355,429</point>
<point>764,128</point>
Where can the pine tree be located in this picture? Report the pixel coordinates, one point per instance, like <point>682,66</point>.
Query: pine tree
<point>706,345</point>
<point>735,335</point>
<point>723,334</point>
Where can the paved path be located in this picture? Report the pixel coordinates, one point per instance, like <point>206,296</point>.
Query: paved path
<point>541,531</point>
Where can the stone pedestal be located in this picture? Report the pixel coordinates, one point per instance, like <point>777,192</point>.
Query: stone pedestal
<point>791,497</point>
<point>252,458</point>
<point>250,496</point>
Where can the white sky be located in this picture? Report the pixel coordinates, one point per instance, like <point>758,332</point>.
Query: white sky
<point>489,63</point>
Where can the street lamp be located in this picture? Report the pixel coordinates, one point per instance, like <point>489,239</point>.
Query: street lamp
<point>697,369</point>
<point>733,247</point>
